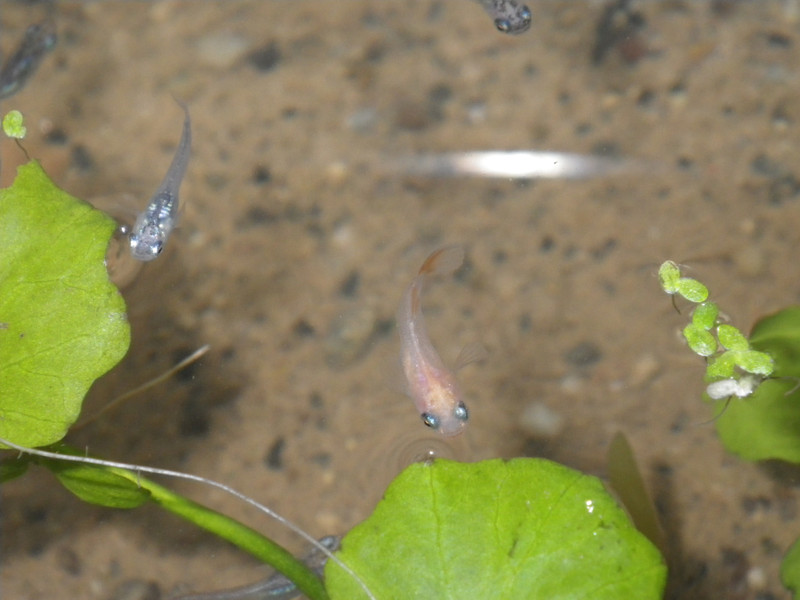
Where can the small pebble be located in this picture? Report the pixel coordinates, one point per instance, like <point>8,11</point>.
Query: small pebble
<point>572,384</point>
<point>756,578</point>
<point>750,261</point>
<point>323,459</point>
<point>477,112</point>
<point>643,370</point>
<point>222,49</point>
<point>412,116</point>
<point>540,420</point>
<point>274,456</point>
<point>350,335</point>
<point>329,521</point>
<point>363,119</point>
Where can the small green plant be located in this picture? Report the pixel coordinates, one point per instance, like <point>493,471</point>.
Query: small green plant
<point>14,125</point>
<point>525,528</point>
<point>762,371</point>
<point>726,349</point>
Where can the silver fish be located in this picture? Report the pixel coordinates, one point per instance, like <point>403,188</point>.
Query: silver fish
<point>153,226</point>
<point>510,16</point>
<point>277,586</point>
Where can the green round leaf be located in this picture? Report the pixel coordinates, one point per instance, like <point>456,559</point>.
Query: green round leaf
<point>668,275</point>
<point>64,323</point>
<point>731,338</point>
<point>692,290</point>
<point>753,361</point>
<point>14,125</point>
<point>790,568</point>
<point>705,315</point>
<point>526,528</point>
<point>701,342</point>
<point>721,367</point>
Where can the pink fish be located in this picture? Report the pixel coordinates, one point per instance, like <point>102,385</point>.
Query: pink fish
<point>432,386</point>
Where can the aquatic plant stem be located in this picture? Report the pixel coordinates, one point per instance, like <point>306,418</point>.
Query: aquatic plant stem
<point>206,518</point>
<point>237,533</point>
<point>135,478</point>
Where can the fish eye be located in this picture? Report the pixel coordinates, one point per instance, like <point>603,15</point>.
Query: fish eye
<point>503,25</point>
<point>461,413</point>
<point>430,420</point>
<point>525,14</point>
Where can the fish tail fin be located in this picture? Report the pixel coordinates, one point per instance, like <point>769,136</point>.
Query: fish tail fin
<point>443,261</point>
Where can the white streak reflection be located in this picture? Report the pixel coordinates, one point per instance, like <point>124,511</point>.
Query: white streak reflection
<point>518,164</point>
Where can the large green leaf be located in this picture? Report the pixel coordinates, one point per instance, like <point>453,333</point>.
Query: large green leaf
<point>763,426</point>
<point>63,322</point>
<point>766,425</point>
<point>790,569</point>
<point>526,528</point>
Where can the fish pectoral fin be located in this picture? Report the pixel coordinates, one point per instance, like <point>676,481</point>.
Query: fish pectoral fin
<point>471,353</point>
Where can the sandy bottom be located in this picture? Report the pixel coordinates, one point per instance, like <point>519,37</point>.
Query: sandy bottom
<point>299,236</point>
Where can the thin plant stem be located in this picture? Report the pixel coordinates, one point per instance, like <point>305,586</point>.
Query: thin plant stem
<point>313,588</point>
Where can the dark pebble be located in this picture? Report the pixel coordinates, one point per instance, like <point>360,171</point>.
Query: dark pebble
<point>265,58</point>
<point>194,421</point>
<point>584,354</point>
<point>261,175</point>
<point>257,215</point>
<point>316,401</point>
<point>56,137</point>
<point>779,40</point>
<point>751,504</point>
<point>349,287</point>
<point>547,244</point>
<point>303,329</point>
<point>81,159</point>
<point>603,250</point>
<point>274,457</point>
<point>70,561</point>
